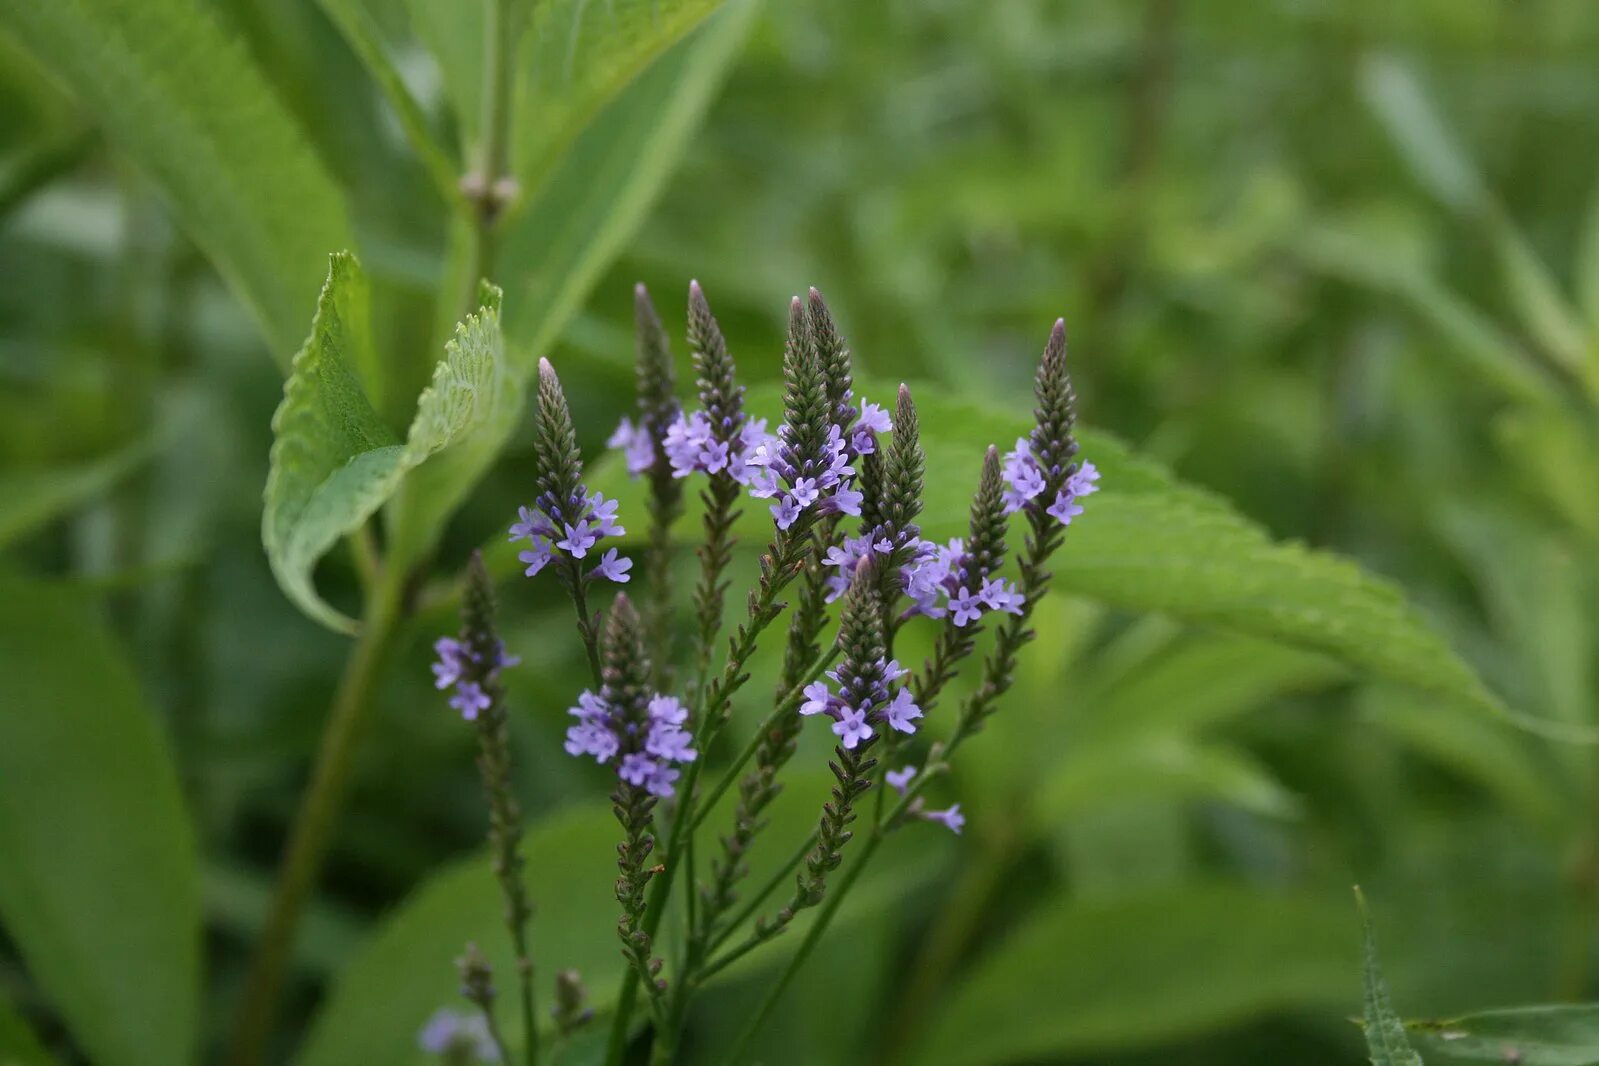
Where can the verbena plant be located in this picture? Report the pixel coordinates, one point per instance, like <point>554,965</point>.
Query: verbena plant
<point>845,481</point>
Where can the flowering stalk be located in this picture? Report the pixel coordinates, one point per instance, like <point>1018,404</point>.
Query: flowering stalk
<point>1044,481</point>
<point>472,666</point>
<point>657,409</point>
<point>477,987</point>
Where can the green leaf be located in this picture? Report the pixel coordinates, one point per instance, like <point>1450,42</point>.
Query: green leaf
<point>1163,768</point>
<point>1559,1035</point>
<point>186,103</point>
<point>18,1045</point>
<point>555,250</point>
<point>1587,267</point>
<point>29,498</point>
<point>577,56</point>
<point>101,887</point>
<point>333,460</point>
<point>1083,979</point>
<point>1392,92</point>
<point>1385,1033</point>
<point>453,34</point>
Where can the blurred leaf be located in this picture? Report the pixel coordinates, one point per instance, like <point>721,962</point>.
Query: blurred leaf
<point>183,99</point>
<point>1164,768</point>
<point>1587,267</point>
<point>453,34</point>
<point>31,498</point>
<point>333,460</point>
<point>1088,978</point>
<point>1558,456</point>
<point>18,1045</point>
<point>556,249</point>
<point>1545,313</point>
<point>100,890</point>
<point>1385,1033</point>
<point>1391,90</point>
<point>577,56</point>
<point>1561,1035</point>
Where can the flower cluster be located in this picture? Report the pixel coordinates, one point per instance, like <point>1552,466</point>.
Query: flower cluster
<point>647,750</point>
<point>1025,480</point>
<point>692,446</point>
<point>796,481</point>
<point>941,579</point>
<point>572,529</point>
<point>862,700</point>
<point>951,817</point>
<point>458,666</point>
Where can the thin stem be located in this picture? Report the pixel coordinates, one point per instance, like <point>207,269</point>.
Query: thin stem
<point>313,824</point>
<point>784,707</point>
<point>485,196</point>
<point>754,905</point>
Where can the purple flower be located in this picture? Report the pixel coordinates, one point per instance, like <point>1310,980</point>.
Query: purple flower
<point>612,567</point>
<point>900,780</point>
<point>1084,482</point>
<point>469,699</point>
<point>636,768</point>
<point>785,512</point>
<point>667,741</point>
<point>537,557</point>
<point>967,606</point>
<point>591,738</point>
<point>818,698</point>
<point>1024,479</point>
<point>668,709</point>
<point>636,446</point>
<point>602,513</point>
<point>1065,508</point>
<point>449,1029</point>
<point>452,660</point>
<point>578,540</point>
<point>530,524</point>
<point>1001,596</point>
<point>953,818</point>
<point>659,782</point>
<point>902,711</point>
<point>845,501</point>
<point>805,491</point>
<point>851,728</point>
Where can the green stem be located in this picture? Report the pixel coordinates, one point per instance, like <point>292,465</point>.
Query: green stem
<point>749,910</point>
<point>313,824</point>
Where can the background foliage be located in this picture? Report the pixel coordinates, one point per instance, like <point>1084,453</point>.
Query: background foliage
<point>1331,270</point>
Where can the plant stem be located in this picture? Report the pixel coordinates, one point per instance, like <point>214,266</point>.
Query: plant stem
<point>314,822</point>
<point>772,885</point>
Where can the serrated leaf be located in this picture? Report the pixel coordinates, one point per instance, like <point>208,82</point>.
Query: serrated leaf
<point>1081,979</point>
<point>578,56</point>
<point>1385,1033</point>
<point>334,462</point>
<point>556,249</point>
<point>29,498</point>
<point>184,100</point>
<point>1557,1035</point>
<point>100,885</point>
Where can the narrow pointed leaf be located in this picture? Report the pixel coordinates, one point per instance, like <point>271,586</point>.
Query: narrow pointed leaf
<point>1385,1033</point>
<point>334,462</point>
<point>184,100</point>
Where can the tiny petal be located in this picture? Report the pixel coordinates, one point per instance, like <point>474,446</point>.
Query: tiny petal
<point>613,567</point>
<point>899,780</point>
<point>817,698</point>
<point>953,818</point>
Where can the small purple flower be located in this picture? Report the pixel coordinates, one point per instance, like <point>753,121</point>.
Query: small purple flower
<point>899,780</point>
<point>902,711</point>
<point>851,728</point>
<point>874,418</point>
<point>659,782</point>
<point>893,671</point>
<point>785,512</point>
<point>536,558</point>
<point>1064,509</point>
<point>1001,596</point>
<point>591,738</point>
<point>470,699</point>
<point>636,446</point>
<point>845,501</point>
<point>818,697</point>
<point>967,606</point>
<point>636,768</point>
<point>1024,479</point>
<point>612,567</point>
<point>452,660</point>
<point>953,818</point>
<point>530,524</point>
<point>602,513</point>
<point>578,540</point>
<point>805,491</point>
<point>668,742</point>
<point>1084,482</point>
<point>668,709</point>
<point>449,1029</point>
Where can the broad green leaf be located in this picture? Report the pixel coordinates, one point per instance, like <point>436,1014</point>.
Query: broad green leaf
<point>1559,1035</point>
<point>18,1045</point>
<point>1385,1033</point>
<point>100,886</point>
<point>453,34</point>
<point>556,249</point>
<point>333,460</point>
<point>29,498</point>
<point>184,100</point>
<point>1150,543</point>
<point>577,57</point>
<point>1082,979</point>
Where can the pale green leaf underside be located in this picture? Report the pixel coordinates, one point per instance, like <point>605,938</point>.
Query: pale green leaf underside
<point>179,96</point>
<point>100,884</point>
<point>1558,1035</point>
<point>583,213</point>
<point>1082,978</point>
<point>1385,1033</point>
<point>333,461</point>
